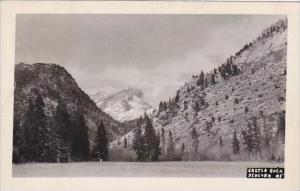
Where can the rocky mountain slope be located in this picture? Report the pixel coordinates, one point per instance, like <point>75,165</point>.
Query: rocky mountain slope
<point>124,104</point>
<point>54,84</point>
<point>244,96</point>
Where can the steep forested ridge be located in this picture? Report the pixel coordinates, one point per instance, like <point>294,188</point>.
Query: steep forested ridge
<point>50,109</point>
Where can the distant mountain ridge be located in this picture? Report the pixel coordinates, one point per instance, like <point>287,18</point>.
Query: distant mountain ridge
<point>122,104</point>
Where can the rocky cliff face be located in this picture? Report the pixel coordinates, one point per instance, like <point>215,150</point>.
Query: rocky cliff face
<point>245,95</point>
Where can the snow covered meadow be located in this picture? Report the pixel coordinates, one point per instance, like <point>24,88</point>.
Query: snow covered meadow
<point>139,169</point>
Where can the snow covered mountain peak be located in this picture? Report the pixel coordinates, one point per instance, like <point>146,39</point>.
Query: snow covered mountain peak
<point>122,104</point>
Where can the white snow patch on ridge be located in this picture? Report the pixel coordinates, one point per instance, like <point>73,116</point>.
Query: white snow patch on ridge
<point>122,104</point>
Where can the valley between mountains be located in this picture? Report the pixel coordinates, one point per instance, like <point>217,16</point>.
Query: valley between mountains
<point>236,112</point>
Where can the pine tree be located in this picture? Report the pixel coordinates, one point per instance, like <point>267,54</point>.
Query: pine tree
<point>208,126</point>
<point>160,106</point>
<point>256,136</point>
<point>235,70</point>
<point>221,142</point>
<point>138,144</point>
<point>139,122</point>
<point>236,101</point>
<point>79,138</point>
<point>46,150</point>
<point>100,150</point>
<point>156,148</point>
<point>149,136</point>
<point>61,134</point>
<point>195,141</point>
<point>188,89</point>
<point>213,119</point>
<point>246,109</point>
<point>267,132</point>
<point>35,131</point>
<point>235,144</point>
<point>163,140</point>
<point>222,71</point>
<point>177,97</point>
<point>196,107</point>
<point>252,137</point>
<point>16,141</point>
<point>170,104</point>
<point>182,153</point>
<point>185,106</point>
<point>228,68</point>
<point>281,126</point>
<point>165,106</point>
<point>248,139</point>
<point>205,82</point>
<point>125,142</point>
<point>152,150</point>
<point>200,81</point>
<point>63,120</point>
<point>212,79</point>
<point>170,148</point>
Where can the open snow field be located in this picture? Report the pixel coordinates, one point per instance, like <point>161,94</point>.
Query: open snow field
<point>138,169</point>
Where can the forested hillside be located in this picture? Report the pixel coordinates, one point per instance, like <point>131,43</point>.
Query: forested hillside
<point>234,112</point>
<point>53,117</point>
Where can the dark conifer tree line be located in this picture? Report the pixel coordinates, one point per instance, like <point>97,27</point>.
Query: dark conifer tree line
<point>35,132</point>
<point>62,137</point>
<point>195,142</point>
<point>100,150</point>
<point>235,145</point>
<point>146,142</point>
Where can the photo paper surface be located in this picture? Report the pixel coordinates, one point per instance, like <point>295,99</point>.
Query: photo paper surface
<point>188,95</point>
<point>156,94</point>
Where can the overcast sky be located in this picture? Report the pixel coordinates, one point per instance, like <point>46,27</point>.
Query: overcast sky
<point>156,53</point>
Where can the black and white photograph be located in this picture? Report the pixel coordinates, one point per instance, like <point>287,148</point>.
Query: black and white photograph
<point>148,95</point>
